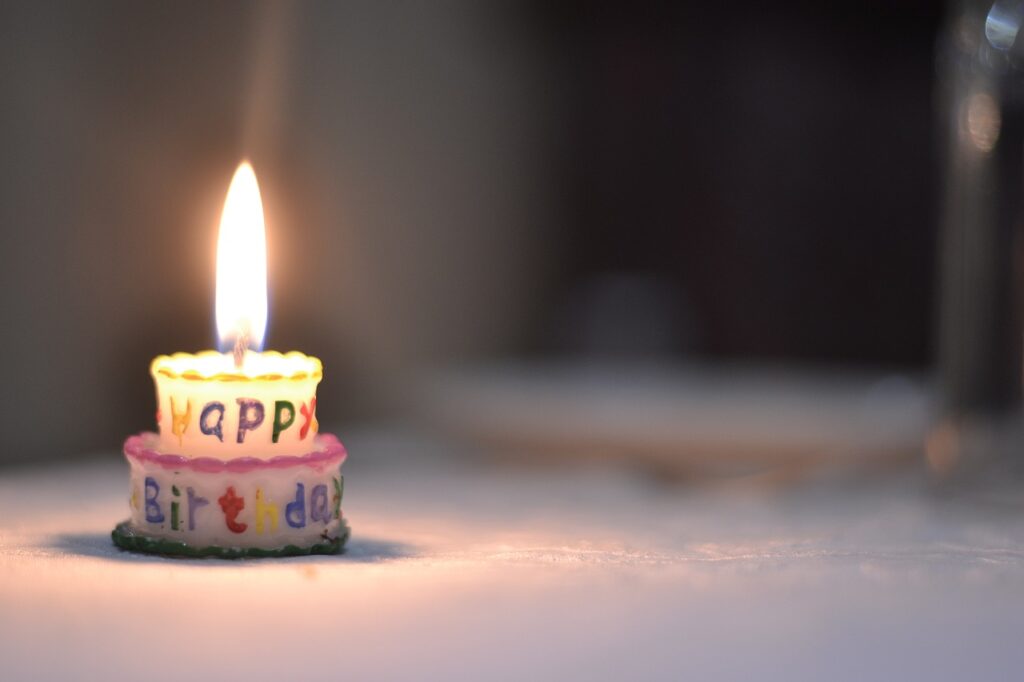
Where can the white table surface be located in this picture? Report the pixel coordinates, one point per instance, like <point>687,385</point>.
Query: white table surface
<point>458,570</point>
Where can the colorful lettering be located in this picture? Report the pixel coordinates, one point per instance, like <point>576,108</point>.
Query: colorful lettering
<point>310,415</point>
<point>250,416</point>
<point>153,512</point>
<point>204,420</point>
<point>232,505</point>
<point>265,510</point>
<point>280,408</point>
<point>174,507</point>
<point>295,512</point>
<point>194,503</point>
<point>179,420</point>
<point>318,509</point>
<point>339,489</point>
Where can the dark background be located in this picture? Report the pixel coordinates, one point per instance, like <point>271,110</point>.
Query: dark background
<point>458,182</point>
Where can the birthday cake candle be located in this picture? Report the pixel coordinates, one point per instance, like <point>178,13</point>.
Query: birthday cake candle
<point>237,467</point>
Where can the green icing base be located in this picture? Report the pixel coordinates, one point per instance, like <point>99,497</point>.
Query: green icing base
<point>128,537</point>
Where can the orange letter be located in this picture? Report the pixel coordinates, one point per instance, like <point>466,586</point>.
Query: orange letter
<point>179,420</point>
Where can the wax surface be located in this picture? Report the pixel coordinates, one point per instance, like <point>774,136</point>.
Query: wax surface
<point>244,503</point>
<point>208,407</point>
<point>210,364</point>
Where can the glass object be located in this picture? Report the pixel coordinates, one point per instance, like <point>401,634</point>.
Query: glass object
<point>978,430</point>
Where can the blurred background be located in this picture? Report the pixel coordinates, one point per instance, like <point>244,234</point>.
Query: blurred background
<point>687,235</point>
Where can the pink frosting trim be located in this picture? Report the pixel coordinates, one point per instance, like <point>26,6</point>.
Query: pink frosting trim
<point>330,451</point>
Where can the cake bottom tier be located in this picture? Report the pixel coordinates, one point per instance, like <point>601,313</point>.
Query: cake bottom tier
<point>245,507</point>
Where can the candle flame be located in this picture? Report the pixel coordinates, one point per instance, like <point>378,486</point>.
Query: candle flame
<point>242,265</point>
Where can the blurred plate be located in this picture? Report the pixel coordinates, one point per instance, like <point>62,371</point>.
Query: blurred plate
<point>707,420</point>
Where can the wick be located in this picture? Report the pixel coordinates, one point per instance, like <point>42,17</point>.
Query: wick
<point>241,345</point>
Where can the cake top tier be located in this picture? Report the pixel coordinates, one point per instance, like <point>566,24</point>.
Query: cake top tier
<point>208,407</point>
<point>209,365</point>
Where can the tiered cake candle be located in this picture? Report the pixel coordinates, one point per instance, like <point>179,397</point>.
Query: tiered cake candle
<point>237,467</point>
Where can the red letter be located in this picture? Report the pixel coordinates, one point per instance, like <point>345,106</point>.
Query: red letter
<point>232,504</point>
<point>309,413</point>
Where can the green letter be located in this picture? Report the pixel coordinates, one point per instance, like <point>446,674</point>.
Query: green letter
<point>280,407</point>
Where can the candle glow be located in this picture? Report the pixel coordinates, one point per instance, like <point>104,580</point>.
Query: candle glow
<point>241,306</point>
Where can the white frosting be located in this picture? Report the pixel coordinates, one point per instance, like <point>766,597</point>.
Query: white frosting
<point>297,505</point>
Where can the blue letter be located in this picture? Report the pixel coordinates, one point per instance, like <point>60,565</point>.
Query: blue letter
<point>218,428</point>
<point>153,512</point>
<point>250,416</point>
<point>318,510</point>
<point>295,512</point>
<point>194,502</point>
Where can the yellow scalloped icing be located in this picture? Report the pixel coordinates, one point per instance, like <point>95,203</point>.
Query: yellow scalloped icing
<point>210,365</point>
